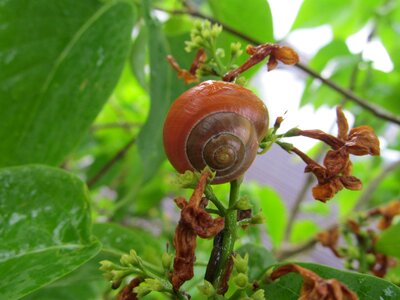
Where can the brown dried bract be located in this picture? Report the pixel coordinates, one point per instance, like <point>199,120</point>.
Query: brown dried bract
<point>315,287</point>
<point>127,292</point>
<point>195,221</point>
<point>188,76</point>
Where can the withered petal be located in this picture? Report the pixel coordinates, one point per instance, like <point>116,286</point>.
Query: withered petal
<point>286,55</point>
<point>314,287</point>
<point>362,140</point>
<point>324,192</point>
<point>336,161</point>
<point>343,126</point>
<point>351,182</point>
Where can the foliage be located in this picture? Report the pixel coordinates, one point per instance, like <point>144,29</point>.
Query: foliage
<point>84,90</point>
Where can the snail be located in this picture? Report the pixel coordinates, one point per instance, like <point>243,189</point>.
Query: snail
<point>217,124</point>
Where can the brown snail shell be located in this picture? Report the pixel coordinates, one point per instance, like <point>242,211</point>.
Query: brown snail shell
<point>216,123</point>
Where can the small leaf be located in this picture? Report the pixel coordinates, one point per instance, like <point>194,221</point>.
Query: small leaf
<point>389,241</point>
<point>45,228</point>
<point>56,76</point>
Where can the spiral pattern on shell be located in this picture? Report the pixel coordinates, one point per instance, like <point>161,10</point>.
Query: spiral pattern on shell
<point>215,123</point>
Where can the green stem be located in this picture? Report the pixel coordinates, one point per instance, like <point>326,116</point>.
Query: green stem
<point>211,196</point>
<point>228,238</point>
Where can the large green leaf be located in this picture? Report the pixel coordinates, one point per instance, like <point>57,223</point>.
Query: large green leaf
<point>389,241</point>
<point>45,228</point>
<point>87,282</point>
<point>366,286</point>
<point>59,62</point>
<point>275,214</point>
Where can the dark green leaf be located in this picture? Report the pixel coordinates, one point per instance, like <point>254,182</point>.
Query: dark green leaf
<point>56,76</point>
<point>366,286</point>
<point>389,241</point>
<point>260,259</point>
<point>139,57</point>
<point>45,228</point>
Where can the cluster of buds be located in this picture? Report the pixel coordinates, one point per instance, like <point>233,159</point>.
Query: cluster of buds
<point>360,240</point>
<point>204,35</point>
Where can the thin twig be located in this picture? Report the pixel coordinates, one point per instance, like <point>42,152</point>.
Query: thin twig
<point>374,109</point>
<point>113,125</point>
<point>373,185</point>
<point>109,164</point>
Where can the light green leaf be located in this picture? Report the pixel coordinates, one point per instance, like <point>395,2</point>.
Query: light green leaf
<point>139,57</point>
<point>260,259</point>
<point>45,228</point>
<point>389,241</point>
<point>303,230</point>
<point>366,286</point>
<point>59,62</point>
<point>275,214</point>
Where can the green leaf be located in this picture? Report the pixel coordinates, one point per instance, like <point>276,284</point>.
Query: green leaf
<point>275,213</point>
<point>260,259</point>
<point>87,282</point>
<point>366,286</point>
<point>303,230</point>
<point>59,62</point>
<point>345,17</point>
<point>45,228</point>
<point>150,137</point>
<point>389,241</point>
<point>139,57</point>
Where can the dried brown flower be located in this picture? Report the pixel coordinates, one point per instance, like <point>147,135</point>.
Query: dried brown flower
<point>329,238</point>
<point>258,53</point>
<point>387,212</point>
<point>195,221</point>
<point>315,287</point>
<point>335,174</point>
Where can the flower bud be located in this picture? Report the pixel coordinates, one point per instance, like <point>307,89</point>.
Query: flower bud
<point>241,263</point>
<point>258,295</point>
<point>166,260</point>
<point>106,265</point>
<point>241,280</point>
<point>258,218</point>
<point>243,203</point>
<point>147,286</point>
<point>206,289</point>
<point>220,52</point>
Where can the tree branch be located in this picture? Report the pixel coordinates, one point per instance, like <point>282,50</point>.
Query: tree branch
<point>109,164</point>
<point>374,109</point>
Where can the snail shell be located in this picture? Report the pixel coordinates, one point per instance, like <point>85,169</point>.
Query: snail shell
<point>216,123</point>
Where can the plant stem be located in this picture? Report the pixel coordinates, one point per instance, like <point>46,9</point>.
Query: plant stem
<point>208,191</point>
<point>228,239</point>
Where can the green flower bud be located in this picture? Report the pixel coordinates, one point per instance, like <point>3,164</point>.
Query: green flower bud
<point>106,265</point>
<point>292,132</point>
<point>220,52</point>
<point>216,30</point>
<point>258,295</point>
<point>243,203</point>
<point>206,289</point>
<point>241,81</point>
<point>370,258</point>
<point>241,280</point>
<point>147,286</point>
<point>166,260</point>
<point>129,260</point>
<point>241,263</point>
<point>206,33</point>
<point>188,179</point>
<point>258,218</point>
